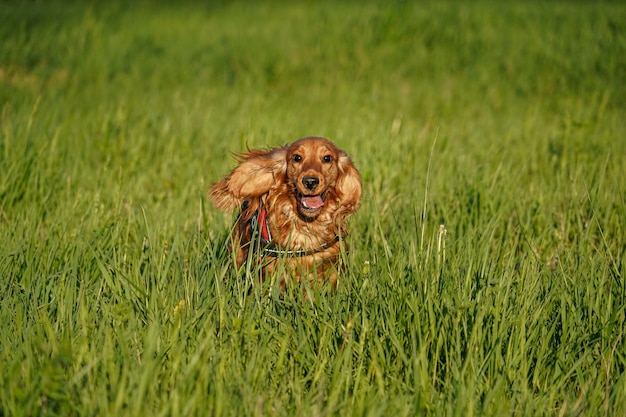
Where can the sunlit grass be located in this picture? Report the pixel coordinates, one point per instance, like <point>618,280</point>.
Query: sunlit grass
<point>486,271</point>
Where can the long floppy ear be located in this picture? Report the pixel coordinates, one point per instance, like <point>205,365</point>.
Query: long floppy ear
<point>255,175</point>
<point>348,185</point>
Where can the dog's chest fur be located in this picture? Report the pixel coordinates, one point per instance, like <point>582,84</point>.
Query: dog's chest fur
<point>291,231</point>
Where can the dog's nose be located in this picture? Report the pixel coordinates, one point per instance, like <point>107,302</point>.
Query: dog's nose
<point>310,182</point>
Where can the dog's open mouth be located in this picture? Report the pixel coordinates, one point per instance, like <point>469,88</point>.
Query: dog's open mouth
<point>311,203</point>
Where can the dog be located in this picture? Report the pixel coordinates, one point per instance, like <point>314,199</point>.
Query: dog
<point>293,202</point>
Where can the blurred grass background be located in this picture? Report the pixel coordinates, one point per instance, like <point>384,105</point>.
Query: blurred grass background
<point>487,258</point>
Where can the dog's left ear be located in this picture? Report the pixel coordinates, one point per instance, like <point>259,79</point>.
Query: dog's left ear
<point>258,171</point>
<point>348,185</point>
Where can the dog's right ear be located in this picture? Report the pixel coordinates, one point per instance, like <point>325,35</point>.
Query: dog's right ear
<point>255,175</point>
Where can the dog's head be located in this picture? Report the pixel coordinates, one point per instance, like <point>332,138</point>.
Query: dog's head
<point>314,171</point>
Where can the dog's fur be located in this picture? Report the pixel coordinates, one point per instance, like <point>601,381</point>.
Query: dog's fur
<point>304,191</point>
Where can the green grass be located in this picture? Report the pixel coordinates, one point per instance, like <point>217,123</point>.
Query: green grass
<point>486,275</point>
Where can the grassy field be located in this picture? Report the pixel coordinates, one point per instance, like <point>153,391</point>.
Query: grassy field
<point>486,275</point>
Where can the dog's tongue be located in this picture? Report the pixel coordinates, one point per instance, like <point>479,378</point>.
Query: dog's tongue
<point>312,202</point>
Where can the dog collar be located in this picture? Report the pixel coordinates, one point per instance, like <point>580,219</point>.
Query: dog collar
<point>276,253</point>
<point>259,224</point>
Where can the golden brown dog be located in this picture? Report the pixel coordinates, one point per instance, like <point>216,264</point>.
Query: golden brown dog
<point>294,201</point>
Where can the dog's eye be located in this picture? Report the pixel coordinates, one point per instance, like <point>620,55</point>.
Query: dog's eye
<point>297,158</point>
<point>327,158</point>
